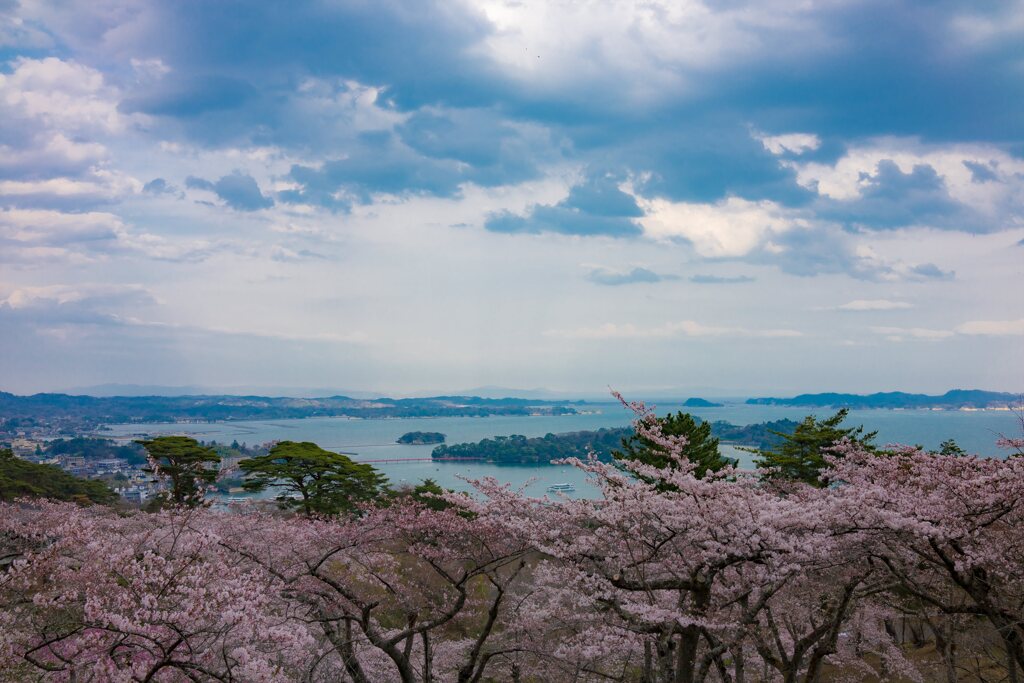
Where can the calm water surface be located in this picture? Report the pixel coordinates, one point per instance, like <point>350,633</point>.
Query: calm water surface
<point>369,440</point>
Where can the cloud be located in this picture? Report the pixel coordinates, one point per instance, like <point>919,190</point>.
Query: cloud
<point>84,304</point>
<point>60,94</point>
<point>793,143</point>
<point>378,163</point>
<point>239,190</point>
<point>159,186</point>
<point>684,328</point>
<point>923,333</point>
<point>35,235</point>
<point>607,276</point>
<point>894,182</point>
<point>720,279</point>
<point>188,97</point>
<point>195,183</point>
<point>730,228</point>
<point>972,328</point>
<point>890,198</point>
<point>873,305</point>
<point>981,173</point>
<point>95,188</point>
<point>595,206</point>
<point>283,254</point>
<point>994,328</point>
<point>929,271</point>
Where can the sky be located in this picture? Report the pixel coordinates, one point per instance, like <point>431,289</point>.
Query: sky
<point>721,197</point>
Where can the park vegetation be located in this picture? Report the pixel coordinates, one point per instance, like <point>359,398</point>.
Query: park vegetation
<point>908,566</point>
<point>23,479</point>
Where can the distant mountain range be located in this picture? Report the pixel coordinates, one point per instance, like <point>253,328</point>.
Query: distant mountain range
<point>955,399</point>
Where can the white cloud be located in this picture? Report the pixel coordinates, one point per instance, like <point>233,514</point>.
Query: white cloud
<point>53,228</point>
<point>61,94</point>
<point>873,305</point>
<point>997,328</point>
<point>99,185</point>
<point>732,227</point>
<point>899,333</point>
<point>987,328</point>
<point>846,178</point>
<point>683,328</point>
<point>35,297</point>
<point>795,143</point>
<point>650,49</point>
<point>35,235</point>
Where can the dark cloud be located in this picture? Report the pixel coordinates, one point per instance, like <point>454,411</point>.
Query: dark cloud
<point>930,271</point>
<point>720,280</point>
<point>981,173</point>
<point>607,276</point>
<point>190,97</point>
<point>195,183</point>
<point>241,192</point>
<point>159,186</point>
<point>379,163</point>
<point>594,207</point>
<point>891,198</point>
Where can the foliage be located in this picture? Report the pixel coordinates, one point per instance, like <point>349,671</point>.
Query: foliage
<point>517,449</point>
<point>185,463</point>
<point>21,478</point>
<point>701,447</point>
<point>421,438</point>
<point>801,455</point>
<point>708,579</point>
<point>520,450</point>
<point>763,435</point>
<point>427,493</point>
<point>951,447</point>
<point>312,479</point>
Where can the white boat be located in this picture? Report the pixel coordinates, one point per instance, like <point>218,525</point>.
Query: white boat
<point>561,488</point>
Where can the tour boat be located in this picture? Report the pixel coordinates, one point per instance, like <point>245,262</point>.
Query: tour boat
<point>561,488</point>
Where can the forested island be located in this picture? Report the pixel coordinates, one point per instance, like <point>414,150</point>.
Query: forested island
<point>520,450</point>
<point>72,415</point>
<point>700,403</point>
<point>420,438</point>
<point>951,400</point>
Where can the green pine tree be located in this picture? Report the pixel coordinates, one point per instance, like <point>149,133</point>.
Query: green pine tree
<point>800,456</point>
<point>312,479</point>
<point>186,464</point>
<point>701,448</point>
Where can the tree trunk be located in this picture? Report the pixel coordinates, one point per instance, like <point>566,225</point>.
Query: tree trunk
<point>686,654</point>
<point>1011,667</point>
<point>428,659</point>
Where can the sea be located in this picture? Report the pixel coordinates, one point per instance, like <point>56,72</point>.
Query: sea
<point>373,440</point>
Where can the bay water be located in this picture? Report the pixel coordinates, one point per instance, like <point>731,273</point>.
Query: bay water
<point>374,439</point>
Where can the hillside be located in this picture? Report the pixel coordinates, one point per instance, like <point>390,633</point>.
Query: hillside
<point>955,399</point>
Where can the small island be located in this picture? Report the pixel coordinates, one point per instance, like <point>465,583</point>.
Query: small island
<point>421,438</point>
<point>700,403</point>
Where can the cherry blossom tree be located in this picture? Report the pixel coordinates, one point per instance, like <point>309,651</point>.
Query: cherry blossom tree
<point>95,596</point>
<point>949,529</point>
<point>667,577</point>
